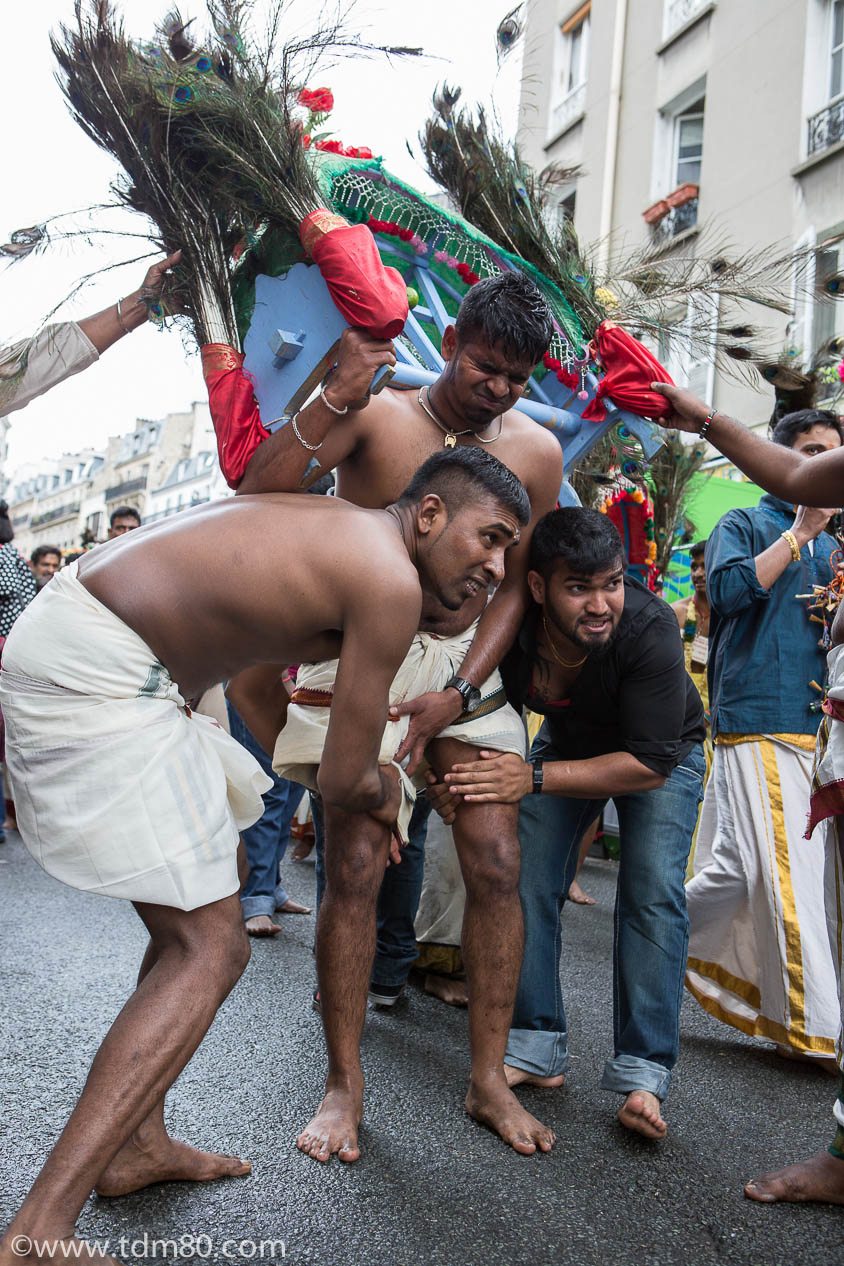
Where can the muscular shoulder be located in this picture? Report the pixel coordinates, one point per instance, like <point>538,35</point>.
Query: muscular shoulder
<point>680,609</point>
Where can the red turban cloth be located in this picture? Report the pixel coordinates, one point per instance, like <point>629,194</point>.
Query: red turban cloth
<point>629,370</point>
<point>234,410</point>
<point>365,292</point>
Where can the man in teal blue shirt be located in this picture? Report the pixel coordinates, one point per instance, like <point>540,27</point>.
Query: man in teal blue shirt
<point>759,956</point>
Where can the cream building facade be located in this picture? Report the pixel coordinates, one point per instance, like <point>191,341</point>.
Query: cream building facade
<point>158,468</point>
<point>695,121</point>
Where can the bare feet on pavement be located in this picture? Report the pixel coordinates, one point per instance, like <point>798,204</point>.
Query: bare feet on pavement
<point>448,989</point>
<point>641,1112</point>
<point>578,896</point>
<point>262,925</point>
<point>493,1104</point>
<point>292,907</point>
<point>519,1077</point>
<point>335,1126</point>
<point>167,1161</point>
<point>820,1178</point>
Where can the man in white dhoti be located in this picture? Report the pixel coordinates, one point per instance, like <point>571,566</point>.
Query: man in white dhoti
<point>122,789</point>
<point>789,475</point>
<point>502,329</point>
<point>758,952</point>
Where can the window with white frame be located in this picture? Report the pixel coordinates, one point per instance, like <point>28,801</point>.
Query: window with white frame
<point>836,66</point>
<point>571,70</point>
<point>688,145</point>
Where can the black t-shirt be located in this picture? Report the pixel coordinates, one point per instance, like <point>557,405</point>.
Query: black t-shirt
<point>636,698</point>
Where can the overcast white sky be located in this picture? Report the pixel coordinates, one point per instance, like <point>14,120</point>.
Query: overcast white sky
<point>50,166</point>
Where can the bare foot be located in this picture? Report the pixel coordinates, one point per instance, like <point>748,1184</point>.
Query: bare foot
<point>134,1167</point>
<point>17,1248</point>
<point>335,1127</point>
<point>578,896</point>
<point>640,1112</point>
<point>448,989</point>
<point>819,1178</point>
<point>494,1105</point>
<point>292,907</point>
<point>262,925</point>
<point>519,1077</point>
<point>303,849</point>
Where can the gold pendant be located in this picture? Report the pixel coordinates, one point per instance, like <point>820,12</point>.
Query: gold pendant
<point>450,441</point>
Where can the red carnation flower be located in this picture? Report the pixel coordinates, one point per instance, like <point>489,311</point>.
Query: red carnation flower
<point>317,100</point>
<point>330,147</point>
<point>405,234</point>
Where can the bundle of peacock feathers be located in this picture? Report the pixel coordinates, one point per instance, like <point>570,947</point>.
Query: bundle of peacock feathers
<point>206,134</point>
<point>486,178</point>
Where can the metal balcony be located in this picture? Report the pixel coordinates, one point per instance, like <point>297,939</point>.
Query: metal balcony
<point>53,516</point>
<point>118,491</point>
<point>678,220</point>
<point>826,127</point>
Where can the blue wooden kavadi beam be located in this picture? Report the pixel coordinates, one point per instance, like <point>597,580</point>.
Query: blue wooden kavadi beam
<point>288,362</point>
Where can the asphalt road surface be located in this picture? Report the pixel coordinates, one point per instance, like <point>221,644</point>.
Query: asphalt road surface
<point>431,1188</point>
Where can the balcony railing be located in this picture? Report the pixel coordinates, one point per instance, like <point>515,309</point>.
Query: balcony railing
<point>678,13</point>
<point>826,127</point>
<point>677,221</point>
<point>118,491</point>
<point>53,516</point>
<point>567,110</point>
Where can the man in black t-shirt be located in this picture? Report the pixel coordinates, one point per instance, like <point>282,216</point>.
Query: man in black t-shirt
<point>601,657</point>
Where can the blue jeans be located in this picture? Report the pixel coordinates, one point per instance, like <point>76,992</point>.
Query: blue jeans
<point>651,927</point>
<point>398,899</point>
<point>266,840</point>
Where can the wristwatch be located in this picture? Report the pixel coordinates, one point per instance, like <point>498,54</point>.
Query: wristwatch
<point>470,694</point>
<point>536,789</point>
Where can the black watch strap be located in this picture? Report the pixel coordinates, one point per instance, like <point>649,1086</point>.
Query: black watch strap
<point>537,776</point>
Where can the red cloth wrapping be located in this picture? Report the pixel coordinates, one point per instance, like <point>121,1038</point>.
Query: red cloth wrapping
<point>629,371</point>
<point>368,294</point>
<point>234,410</point>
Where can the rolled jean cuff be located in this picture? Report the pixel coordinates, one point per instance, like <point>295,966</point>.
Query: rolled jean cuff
<point>625,1073</point>
<point>253,906</point>
<point>280,897</point>
<point>537,1051</point>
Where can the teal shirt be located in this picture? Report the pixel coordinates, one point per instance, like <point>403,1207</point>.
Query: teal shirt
<point>763,649</point>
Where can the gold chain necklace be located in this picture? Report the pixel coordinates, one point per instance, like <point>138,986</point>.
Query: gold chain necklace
<point>451,436</point>
<point>564,663</point>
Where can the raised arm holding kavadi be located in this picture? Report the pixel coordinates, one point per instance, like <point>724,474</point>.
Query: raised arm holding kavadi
<point>144,798</point>
<point>34,366</point>
<point>502,330</point>
<point>816,480</point>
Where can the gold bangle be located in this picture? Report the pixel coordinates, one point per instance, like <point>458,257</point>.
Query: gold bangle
<point>124,327</point>
<point>789,536</point>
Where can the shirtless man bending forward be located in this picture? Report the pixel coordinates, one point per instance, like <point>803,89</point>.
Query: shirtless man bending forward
<point>121,789</point>
<point>502,330</point>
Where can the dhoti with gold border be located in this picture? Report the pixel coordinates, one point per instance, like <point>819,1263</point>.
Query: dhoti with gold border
<point>759,954</point>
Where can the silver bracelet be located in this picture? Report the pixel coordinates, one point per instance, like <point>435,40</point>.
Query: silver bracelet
<point>312,448</point>
<point>324,398</point>
<point>124,327</point>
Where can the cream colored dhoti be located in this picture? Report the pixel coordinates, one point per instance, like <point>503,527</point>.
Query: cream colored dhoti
<point>759,956</point>
<point>34,366</point>
<point>119,788</point>
<point>428,665</point>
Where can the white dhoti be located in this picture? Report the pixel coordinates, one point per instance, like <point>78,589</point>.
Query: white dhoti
<point>442,904</point>
<point>759,956</point>
<point>428,665</point>
<point>119,788</point>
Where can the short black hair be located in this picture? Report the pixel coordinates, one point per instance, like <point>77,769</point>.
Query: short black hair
<point>453,472</point>
<point>586,540</point>
<point>41,551</point>
<point>697,549</point>
<point>793,424</point>
<point>508,309</point>
<point>124,512</point>
<point>7,532</point>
